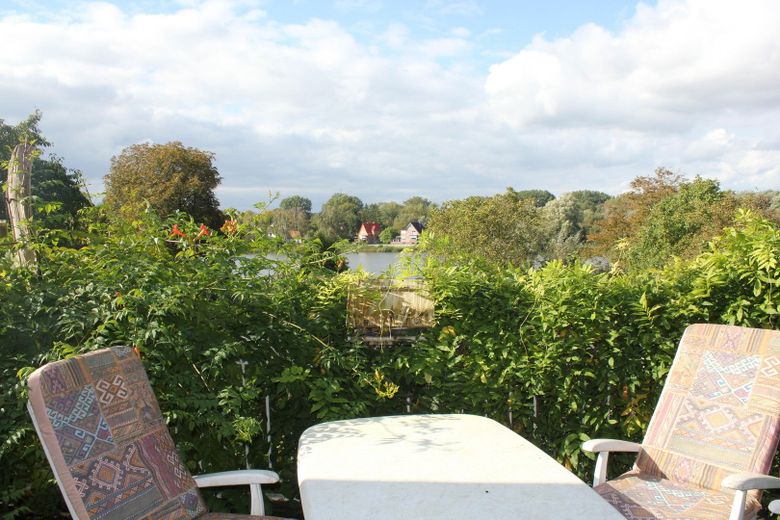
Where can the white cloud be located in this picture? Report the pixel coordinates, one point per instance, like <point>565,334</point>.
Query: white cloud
<point>668,63</point>
<point>714,143</point>
<point>370,6</point>
<point>760,166</point>
<point>444,47</point>
<point>460,32</point>
<point>673,72</point>
<point>276,102</point>
<point>458,8</point>
<point>396,35</point>
<point>311,108</point>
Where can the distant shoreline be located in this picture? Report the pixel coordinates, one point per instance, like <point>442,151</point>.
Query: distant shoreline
<point>382,248</point>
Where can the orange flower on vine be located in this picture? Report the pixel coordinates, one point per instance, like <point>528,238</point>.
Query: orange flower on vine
<point>176,232</point>
<point>204,231</point>
<point>230,227</point>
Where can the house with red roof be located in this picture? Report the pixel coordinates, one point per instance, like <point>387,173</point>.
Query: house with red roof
<point>369,232</point>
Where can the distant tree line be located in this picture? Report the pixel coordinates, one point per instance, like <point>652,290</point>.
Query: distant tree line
<point>515,227</point>
<point>339,218</point>
<point>663,216</point>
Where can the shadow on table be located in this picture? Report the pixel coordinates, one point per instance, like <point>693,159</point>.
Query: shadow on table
<point>411,430</point>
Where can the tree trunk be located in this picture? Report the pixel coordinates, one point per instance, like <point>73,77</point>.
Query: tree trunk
<point>17,199</point>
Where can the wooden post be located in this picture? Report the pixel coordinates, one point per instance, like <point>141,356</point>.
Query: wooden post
<point>17,200</point>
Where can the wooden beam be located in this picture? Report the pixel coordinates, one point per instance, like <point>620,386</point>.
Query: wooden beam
<point>17,200</point>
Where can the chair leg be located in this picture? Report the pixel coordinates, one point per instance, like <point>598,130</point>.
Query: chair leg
<point>738,506</point>
<point>256,494</point>
<point>600,472</point>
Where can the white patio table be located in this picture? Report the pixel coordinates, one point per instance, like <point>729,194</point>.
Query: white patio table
<point>435,467</point>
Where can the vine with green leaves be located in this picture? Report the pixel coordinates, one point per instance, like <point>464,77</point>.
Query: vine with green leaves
<point>224,320</point>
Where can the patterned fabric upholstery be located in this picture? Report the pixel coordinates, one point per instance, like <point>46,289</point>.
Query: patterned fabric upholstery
<point>231,516</point>
<point>718,414</point>
<point>646,497</point>
<point>108,444</point>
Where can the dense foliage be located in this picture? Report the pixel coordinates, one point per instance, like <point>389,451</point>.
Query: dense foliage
<point>292,218</point>
<point>57,190</point>
<point>501,229</point>
<point>538,197</point>
<point>667,215</point>
<point>559,353</point>
<point>165,177</point>
<point>339,218</point>
<point>662,217</point>
<point>517,228</point>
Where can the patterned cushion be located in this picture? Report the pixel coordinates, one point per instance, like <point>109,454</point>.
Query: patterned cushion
<point>645,497</point>
<point>106,439</point>
<point>718,414</point>
<point>231,516</point>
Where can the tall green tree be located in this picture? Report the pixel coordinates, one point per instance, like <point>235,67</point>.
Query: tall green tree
<point>588,207</point>
<point>539,197</point>
<point>681,224</point>
<point>385,213</point>
<point>561,227</point>
<point>567,221</point>
<point>52,182</point>
<point>388,211</point>
<point>415,209</point>
<point>168,177</point>
<point>624,215</point>
<point>339,218</point>
<point>297,202</point>
<point>293,215</point>
<point>26,130</point>
<point>500,229</point>
<point>371,213</point>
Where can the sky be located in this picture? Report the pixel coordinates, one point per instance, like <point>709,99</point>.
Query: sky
<point>388,99</point>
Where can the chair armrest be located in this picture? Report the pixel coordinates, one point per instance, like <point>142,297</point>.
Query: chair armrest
<point>603,447</point>
<point>748,481</point>
<point>599,445</point>
<point>741,483</point>
<point>252,477</point>
<point>236,478</point>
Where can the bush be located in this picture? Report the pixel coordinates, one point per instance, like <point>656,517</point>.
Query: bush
<point>559,354</point>
<point>195,304</point>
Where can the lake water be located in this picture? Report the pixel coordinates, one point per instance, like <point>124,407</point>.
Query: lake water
<point>374,263</point>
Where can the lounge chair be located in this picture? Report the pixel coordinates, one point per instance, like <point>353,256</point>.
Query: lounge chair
<point>712,438</point>
<point>106,440</point>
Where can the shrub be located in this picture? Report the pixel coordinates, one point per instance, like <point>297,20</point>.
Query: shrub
<point>559,354</point>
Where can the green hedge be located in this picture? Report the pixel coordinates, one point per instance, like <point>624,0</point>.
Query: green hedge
<point>567,353</point>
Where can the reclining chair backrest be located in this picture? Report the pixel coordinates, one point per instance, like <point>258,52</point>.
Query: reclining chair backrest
<point>718,412</point>
<point>106,440</point>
